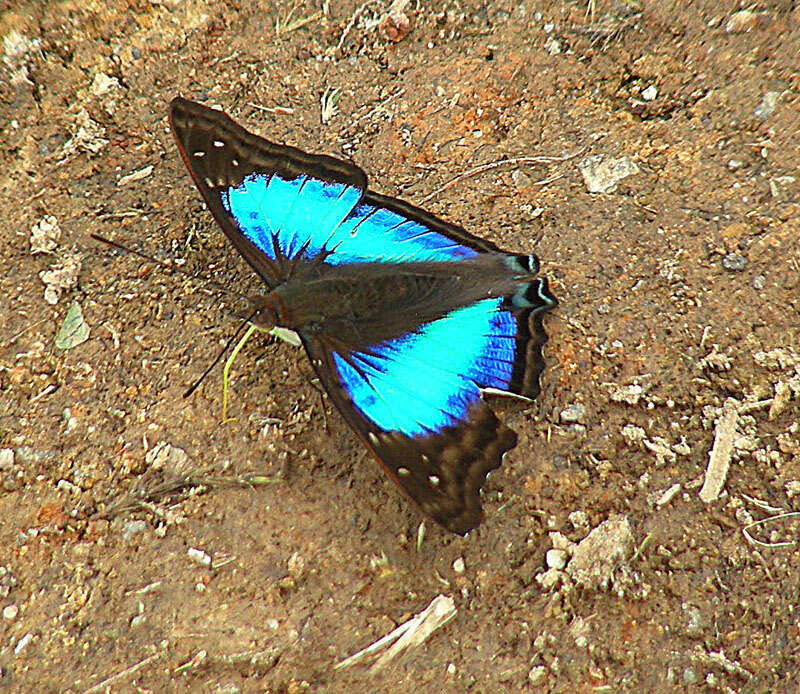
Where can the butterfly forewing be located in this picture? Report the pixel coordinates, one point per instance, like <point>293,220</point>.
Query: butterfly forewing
<point>258,191</point>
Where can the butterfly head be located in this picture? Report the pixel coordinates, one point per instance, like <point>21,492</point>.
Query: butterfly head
<point>265,314</point>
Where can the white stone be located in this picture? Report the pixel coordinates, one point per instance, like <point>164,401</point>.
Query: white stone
<point>556,558</point>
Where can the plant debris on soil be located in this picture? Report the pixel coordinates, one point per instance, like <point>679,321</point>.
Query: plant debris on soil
<point>642,536</point>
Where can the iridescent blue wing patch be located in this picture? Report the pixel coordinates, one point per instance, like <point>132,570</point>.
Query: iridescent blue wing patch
<point>419,384</point>
<point>308,218</point>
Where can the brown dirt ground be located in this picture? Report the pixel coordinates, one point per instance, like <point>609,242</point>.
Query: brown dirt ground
<point>685,281</point>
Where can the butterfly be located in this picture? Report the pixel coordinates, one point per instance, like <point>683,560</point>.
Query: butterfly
<point>408,320</point>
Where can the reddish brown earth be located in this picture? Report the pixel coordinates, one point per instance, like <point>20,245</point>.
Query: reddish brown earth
<point>679,290</point>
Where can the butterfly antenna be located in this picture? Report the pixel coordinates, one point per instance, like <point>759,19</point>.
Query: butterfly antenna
<point>167,266</point>
<point>221,354</point>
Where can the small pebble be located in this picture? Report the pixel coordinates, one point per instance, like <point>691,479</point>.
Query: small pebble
<point>601,174</point>
<point>23,643</point>
<point>579,520</point>
<point>767,106</point>
<point>451,669</point>
<point>131,528</point>
<point>689,676</point>
<point>296,566</point>
<point>694,621</point>
<point>67,486</point>
<point>170,458</point>
<point>682,448</point>
<point>10,612</point>
<point>650,93</point>
<point>741,22</point>
<point>556,558</point>
<point>759,282</point>
<point>103,84</point>
<point>552,46</point>
<point>573,413</point>
<point>28,454</point>
<point>734,262</point>
<point>537,675</point>
<point>601,553</point>
<point>6,459</point>
<point>520,179</point>
<point>630,394</point>
<point>10,483</point>
<point>198,556</point>
<point>458,565</point>
<point>45,235</point>
<point>561,541</point>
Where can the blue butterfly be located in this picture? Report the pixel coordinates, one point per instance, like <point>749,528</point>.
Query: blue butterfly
<point>408,320</point>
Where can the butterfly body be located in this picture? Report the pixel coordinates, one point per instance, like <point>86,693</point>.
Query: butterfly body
<point>371,302</point>
<point>409,321</point>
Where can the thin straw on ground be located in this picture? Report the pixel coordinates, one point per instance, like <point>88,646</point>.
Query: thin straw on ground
<point>412,633</point>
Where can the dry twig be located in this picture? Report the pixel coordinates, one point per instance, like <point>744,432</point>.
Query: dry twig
<point>414,632</point>
<point>516,161</point>
<point>132,670</point>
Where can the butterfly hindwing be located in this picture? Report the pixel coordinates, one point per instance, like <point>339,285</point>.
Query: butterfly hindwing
<point>442,472</point>
<point>416,401</point>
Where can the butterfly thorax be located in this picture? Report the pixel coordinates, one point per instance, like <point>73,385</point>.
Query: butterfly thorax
<point>365,303</point>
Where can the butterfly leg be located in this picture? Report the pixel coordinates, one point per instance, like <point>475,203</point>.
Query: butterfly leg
<point>313,381</point>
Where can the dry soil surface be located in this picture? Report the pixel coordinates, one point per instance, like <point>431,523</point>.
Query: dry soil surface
<point>148,545</point>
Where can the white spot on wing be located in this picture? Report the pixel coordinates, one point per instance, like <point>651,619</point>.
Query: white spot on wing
<point>403,471</point>
<point>219,143</point>
<point>199,154</point>
<point>373,438</point>
<point>234,162</point>
<point>434,480</point>
<point>504,394</point>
